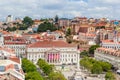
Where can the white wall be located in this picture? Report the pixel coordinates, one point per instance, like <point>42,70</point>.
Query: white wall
<point>66,54</point>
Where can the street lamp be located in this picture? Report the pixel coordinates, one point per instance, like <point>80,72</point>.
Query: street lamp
<point>78,60</point>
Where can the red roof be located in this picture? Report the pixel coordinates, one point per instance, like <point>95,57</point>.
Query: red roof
<point>4,32</point>
<point>15,59</point>
<point>47,43</point>
<point>36,20</point>
<point>14,40</point>
<point>109,51</point>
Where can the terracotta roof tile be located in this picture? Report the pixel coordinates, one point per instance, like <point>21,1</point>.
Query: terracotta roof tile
<point>109,51</point>
<point>15,59</point>
<point>47,43</point>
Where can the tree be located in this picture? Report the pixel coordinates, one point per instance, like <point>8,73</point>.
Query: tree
<point>56,76</point>
<point>28,66</point>
<point>68,32</point>
<point>109,76</point>
<point>96,69</point>
<point>84,54</point>
<point>105,66</point>
<point>28,21</point>
<point>86,63</point>
<point>8,29</point>
<point>11,28</point>
<point>46,26</point>
<point>22,27</point>
<point>41,63</point>
<point>56,18</point>
<point>31,71</point>
<point>46,68</point>
<point>33,76</point>
<point>92,48</point>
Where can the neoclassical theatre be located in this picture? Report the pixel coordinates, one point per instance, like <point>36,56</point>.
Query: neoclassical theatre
<point>54,52</point>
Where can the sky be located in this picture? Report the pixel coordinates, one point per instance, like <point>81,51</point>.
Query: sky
<point>63,8</point>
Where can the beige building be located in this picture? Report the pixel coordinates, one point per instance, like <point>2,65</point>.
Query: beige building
<point>108,55</point>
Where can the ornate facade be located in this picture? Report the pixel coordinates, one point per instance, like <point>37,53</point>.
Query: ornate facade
<point>54,52</point>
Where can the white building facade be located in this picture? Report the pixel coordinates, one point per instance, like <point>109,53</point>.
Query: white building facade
<point>108,55</point>
<point>17,43</point>
<point>20,49</point>
<point>110,44</point>
<point>54,52</point>
<point>1,39</point>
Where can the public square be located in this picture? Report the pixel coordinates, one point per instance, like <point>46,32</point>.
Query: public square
<point>70,70</point>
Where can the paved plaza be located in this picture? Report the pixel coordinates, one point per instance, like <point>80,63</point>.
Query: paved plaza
<point>70,70</point>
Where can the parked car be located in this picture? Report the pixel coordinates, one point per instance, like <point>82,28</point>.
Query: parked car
<point>118,72</point>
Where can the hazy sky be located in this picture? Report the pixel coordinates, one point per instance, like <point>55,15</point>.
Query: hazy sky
<point>63,8</point>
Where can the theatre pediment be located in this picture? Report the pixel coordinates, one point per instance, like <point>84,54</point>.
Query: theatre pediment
<point>52,50</point>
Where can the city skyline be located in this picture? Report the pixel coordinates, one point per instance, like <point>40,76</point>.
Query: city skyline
<point>63,8</point>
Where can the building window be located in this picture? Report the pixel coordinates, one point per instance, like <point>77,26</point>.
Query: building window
<point>74,59</point>
<point>69,55</point>
<point>66,55</point>
<point>2,68</point>
<point>74,55</point>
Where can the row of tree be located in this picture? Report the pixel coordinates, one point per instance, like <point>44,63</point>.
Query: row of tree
<point>49,71</point>
<point>30,70</point>
<point>94,66</point>
<point>97,67</point>
<point>46,68</point>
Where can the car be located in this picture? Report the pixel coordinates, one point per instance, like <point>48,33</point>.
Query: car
<point>118,72</point>
<point>78,77</point>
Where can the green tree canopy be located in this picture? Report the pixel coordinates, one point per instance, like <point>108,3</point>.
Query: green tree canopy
<point>11,28</point>
<point>56,18</point>
<point>68,32</point>
<point>43,27</point>
<point>41,63</point>
<point>84,54</point>
<point>33,76</point>
<point>96,69</point>
<point>28,21</point>
<point>56,76</point>
<point>46,68</point>
<point>28,66</point>
<point>109,76</point>
<point>105,66</point>
<point>31,71</point>
<point>22,27</point>
<point>92,48</point>
<point>86,63</point>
